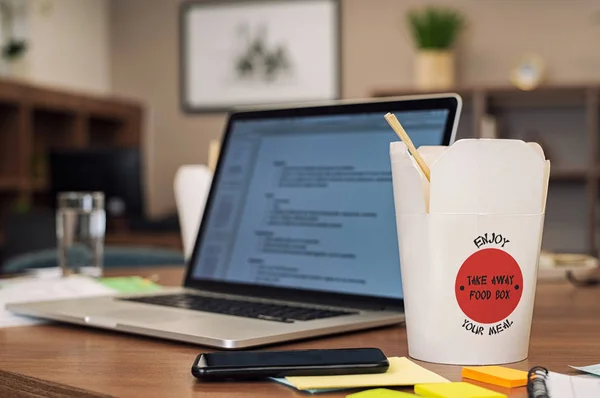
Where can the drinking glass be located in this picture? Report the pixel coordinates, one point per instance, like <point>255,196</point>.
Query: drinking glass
<point>80,229</point>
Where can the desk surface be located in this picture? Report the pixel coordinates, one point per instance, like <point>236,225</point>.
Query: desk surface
<point>54,360</point>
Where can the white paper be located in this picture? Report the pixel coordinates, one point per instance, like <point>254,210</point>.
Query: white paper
<point>591,369</point>
<point>34,289</point>
<point>565,386</point>
<point>7,319</point>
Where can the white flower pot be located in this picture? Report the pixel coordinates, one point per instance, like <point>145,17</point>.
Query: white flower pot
<point>434,69</point>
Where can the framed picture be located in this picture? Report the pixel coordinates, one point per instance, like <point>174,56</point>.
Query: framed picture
<point>240,53</point>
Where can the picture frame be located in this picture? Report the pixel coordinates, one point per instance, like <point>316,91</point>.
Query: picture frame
<point>258,53</point>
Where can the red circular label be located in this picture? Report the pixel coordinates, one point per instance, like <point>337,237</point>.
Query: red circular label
<point>489,286</point>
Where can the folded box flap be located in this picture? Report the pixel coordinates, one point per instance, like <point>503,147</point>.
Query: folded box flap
<point>489,177</point>
<point>431,153</point>
<point>538,148</point>
<point>546,182</point>
<point>409,184</point>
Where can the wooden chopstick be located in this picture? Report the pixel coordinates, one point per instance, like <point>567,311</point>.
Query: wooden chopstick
<point>397,127</point>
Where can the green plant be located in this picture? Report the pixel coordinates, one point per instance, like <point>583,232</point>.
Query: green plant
<point>11,14</point>
<point>14,49</point>
<point>435,28</point>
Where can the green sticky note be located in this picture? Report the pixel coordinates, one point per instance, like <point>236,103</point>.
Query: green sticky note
<point>455,390</point>
<point>381,393</point>
<point>130,284</point>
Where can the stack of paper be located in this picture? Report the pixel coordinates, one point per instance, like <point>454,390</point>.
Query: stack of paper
<point>402,372</point>
<point>565,386</point>
<point>38,289</point>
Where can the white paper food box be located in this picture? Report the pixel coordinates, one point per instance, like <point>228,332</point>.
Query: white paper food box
<point>469,247</point>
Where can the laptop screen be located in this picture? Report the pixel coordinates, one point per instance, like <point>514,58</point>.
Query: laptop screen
<point>306,202</point>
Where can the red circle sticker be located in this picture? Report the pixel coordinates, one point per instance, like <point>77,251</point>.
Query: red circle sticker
<point>489,285</point>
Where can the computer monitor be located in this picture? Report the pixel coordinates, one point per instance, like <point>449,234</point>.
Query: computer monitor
<point>114,171</point>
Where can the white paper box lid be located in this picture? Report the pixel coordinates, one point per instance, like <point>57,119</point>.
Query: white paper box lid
<point>473,176</point>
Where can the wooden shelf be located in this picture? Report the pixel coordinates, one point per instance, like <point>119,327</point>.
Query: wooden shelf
<point>10,183</point>
<point>39,185</point>
<point>566,174</point>
<point>557,91</point>
<point>509,96</point>
<point>36,119</point>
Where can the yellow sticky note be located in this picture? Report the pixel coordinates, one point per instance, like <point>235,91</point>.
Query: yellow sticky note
<point>380,393</point>
<point>455,390</point>
<point>498,375</point>
<point>402,372</point>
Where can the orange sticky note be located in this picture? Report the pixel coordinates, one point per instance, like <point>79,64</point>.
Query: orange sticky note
<point>498,375</point>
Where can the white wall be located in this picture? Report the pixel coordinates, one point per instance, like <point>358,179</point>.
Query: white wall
<point>70,47</point>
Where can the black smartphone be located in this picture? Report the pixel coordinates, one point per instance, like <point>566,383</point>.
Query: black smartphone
<point>245,365</point>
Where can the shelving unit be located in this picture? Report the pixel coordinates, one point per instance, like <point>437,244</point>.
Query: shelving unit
<point>564,120</point>
<point>34,120</point>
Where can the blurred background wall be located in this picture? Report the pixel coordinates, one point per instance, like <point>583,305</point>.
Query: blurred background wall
<point>70,45</point>
<point>376,52</point>
<point>130,48</point>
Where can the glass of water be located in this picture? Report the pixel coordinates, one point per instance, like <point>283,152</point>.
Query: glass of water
<point>80,229</point>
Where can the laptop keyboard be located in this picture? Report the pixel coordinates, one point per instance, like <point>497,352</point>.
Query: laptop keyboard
<point>248,309</point>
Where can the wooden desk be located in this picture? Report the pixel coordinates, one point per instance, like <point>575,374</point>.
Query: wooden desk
<point>55,360</point>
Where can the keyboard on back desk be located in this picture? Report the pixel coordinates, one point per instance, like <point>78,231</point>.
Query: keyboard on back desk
<point>248,309</point>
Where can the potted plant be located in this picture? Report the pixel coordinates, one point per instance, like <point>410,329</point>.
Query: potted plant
<point>435,31</point>
<point>13,45</point>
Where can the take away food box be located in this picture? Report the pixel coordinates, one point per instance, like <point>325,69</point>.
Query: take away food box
<point>469,244</point>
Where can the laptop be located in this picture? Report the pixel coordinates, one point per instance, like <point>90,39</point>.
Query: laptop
<point>298,235</point>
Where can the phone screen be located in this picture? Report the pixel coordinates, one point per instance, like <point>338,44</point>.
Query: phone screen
<point>294,358</point>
